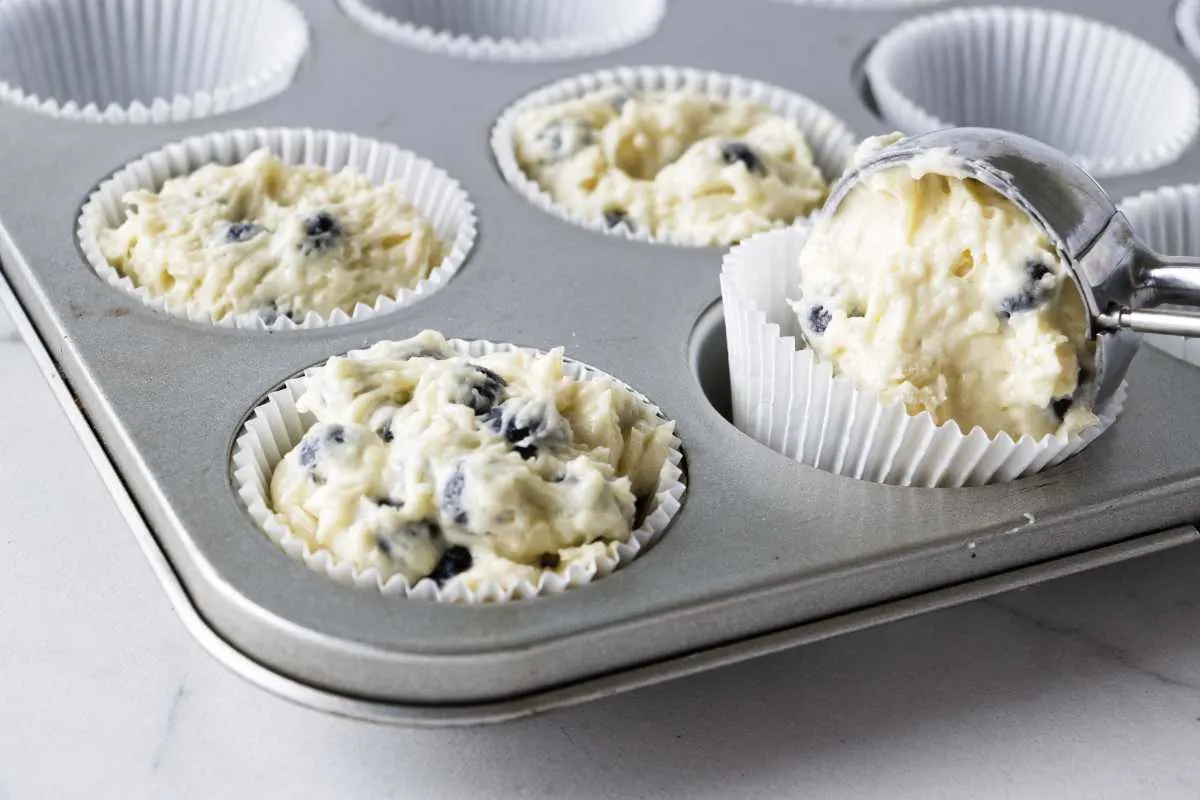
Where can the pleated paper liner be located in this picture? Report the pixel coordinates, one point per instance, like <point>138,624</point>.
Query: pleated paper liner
<point>276,426</point>
<point>793,403</point>
<point>1168,221</point>
<point>510,30</point>
<point>146,61</point>
<point>1187,22</point>
<point>1111,101</point>
<point>828,137</point>
<point>438,197</point>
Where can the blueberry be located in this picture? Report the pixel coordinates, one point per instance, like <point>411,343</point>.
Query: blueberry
<point>560,140</point>
<point>741,153</point>
<point>318,438</point>
<point>1061,406</point>
<point>321,232</point>
<point>389,502</point>
<point>483,390</point>
<point>1031,296</point>
<point>421,529</point>
<point>452,497</point>
<point>818,319</point>
<point>549,560</point>
<point>617,216</point>
<point>243,231</point>
<point>455,561</point>
<point>523,438</point>
<point>271,312</point>
<point>335,434</point>
<point>308,451</point>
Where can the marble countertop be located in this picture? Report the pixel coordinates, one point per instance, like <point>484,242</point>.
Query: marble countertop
<point>1085,687</point>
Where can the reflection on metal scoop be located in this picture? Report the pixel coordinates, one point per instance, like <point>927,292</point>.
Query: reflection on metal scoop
<point>1120,279</point>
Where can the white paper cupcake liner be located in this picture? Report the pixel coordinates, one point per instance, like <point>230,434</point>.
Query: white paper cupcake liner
<point>145,61</point>
<point>434,193</point>
<point>510,30</point>
<point>276,426</point>
<point>1167,220</point>
<point>1187,22</point>
<point>829,138</point>
<point>1114,103</point>
<point>793,403</point>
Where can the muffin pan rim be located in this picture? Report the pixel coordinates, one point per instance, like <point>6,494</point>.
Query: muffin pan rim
<point>355,644</point>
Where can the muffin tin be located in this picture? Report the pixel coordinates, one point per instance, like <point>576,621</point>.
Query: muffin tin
<point>763,554</point>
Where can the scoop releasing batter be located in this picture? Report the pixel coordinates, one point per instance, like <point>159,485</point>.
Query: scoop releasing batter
<point>935,291</point>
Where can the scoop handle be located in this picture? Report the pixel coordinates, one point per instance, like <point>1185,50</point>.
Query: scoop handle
<point>1152,320</point>
<point>1171,279</point>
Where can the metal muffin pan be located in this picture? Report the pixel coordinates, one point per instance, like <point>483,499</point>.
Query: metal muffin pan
<point>764,553</point>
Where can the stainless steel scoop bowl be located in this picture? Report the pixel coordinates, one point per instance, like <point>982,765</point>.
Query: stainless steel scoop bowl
<point>1121,280</point>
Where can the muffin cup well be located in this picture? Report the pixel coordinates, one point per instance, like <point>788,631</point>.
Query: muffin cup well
<point>434,193</point>
<point>794,403</point>
<point>510,30</point>
<point>1167,220</point>
<point>1113,102</point>
<point>276,426</point>
<point>831,142</point>
<point>144,61</point>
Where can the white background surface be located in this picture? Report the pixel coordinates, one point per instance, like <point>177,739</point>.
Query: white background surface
<point>1085,687</point>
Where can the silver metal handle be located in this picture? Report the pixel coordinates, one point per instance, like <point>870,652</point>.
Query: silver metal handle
<point>1171,323</point>
<point>1172,279</point>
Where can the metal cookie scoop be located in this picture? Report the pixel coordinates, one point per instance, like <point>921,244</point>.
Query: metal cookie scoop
<point>1120,279</point>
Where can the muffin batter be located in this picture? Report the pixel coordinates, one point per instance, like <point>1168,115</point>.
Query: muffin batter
<point>935,291</point>
<point>671,163</point>
<point>428,464</point>
<point>263,236</point>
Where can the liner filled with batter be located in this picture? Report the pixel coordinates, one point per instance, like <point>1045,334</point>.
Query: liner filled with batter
<point>459,471</point>
<point>278,228</point>
<point>671,155</point>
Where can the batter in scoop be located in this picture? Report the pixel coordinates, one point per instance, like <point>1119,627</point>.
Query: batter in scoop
<point>935,291</point>
<point>428,464</point>
<point>671,163</point>
<point>266,237</point>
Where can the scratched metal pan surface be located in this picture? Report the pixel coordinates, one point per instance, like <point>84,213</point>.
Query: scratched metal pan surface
<point>762,545</point>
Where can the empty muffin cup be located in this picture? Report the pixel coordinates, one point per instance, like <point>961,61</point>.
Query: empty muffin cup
<point>786,398</point>
<point>143,61</point>
<point>1112,102</point>
<point>276,426</point>
<point>830,141</point>
<point>510,30</point>
<point>436,199</point>
<point>1167,220</point>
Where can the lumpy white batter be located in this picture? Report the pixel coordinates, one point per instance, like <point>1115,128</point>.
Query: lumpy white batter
<point>671,163</point>
<point>937,292</point>
<point>425,463</point>
<point>267,237</point>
